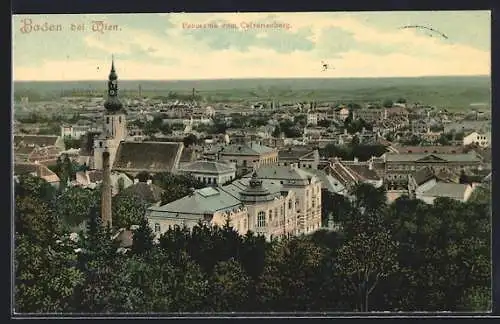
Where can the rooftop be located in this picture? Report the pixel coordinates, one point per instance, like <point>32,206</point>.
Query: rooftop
<point>207,166</point>
<point>38,140</point>
<point>426,157</point>
<point>148,192</point>
<point>448,190</point>
<point>153,156</point>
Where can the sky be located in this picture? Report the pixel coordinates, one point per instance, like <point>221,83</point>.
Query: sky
<point>252,45</point>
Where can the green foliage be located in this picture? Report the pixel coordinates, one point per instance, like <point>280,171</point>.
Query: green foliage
<point>127,210</point>
<point>175,186</point>
<point>142,237</point>
<point>190,140</point>
<point>406,255</point>
<point>290,129</point>
<point>46,277</point>
<point>72,143</point>
<point>73,206</point>
<point>228,287</point>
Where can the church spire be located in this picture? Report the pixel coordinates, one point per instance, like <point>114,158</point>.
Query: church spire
<point>112,103</point>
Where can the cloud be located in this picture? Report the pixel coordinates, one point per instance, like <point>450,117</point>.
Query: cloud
<point>158,47</point>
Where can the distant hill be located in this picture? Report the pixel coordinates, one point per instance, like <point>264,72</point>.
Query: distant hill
<point>456,92</point>
<point>242,84</point>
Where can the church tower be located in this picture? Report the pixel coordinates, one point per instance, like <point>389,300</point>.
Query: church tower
<point>115,123</point>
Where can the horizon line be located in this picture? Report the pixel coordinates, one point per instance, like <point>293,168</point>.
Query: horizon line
<point>269,78</point>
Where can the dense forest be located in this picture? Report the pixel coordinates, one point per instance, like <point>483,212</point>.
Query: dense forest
<point>404,256</point>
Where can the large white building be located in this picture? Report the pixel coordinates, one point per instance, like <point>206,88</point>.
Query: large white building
<point>210,172</point>
<point>483,140</point>
<point>287,202</point>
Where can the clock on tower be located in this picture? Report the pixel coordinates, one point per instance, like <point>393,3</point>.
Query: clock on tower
<point>112,103</point>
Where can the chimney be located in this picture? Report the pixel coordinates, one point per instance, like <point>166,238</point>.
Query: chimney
<point>106,191</point>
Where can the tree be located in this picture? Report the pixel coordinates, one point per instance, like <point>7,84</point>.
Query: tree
<point>46,277</point>
<point>388,103</point>
<point>143,237</point>
<point>28,185</point>
<point>228,287</point>
<point>287,281</point>
<point>73,206</point>
<point>365,260</point>
<point>189,140</point>
<point>175,186</point>
<point>35,219</point>
<point>128,210</point>
<point>143,176</point>
<point>96,259</point>
<point>401,100</point>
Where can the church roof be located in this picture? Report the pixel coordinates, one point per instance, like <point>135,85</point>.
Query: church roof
<point>147,156</point>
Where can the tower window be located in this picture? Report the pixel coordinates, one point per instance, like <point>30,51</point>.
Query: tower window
<point>261,219</point>
<point>107,120</point>
<point>100,144</point>
<point>120,119</point>
<point>157,227</point>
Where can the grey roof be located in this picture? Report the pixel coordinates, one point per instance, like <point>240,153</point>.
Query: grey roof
<point>147,156</point>
<point>150,193</point>
<point>423,175</point>
<point>207,166</point>
<point>38,140</point>
<point>445,149</point>
<point>25,168</point>
<point>252,148</point>
<point>202,201</point>
<point>255,191</point>
<point>411,157</point>
<point>289,174</point>
<point>328,182</point>
<point>293,153</point>
<point>364,171</point>
<point>449,190</point>
<point>210,200</point>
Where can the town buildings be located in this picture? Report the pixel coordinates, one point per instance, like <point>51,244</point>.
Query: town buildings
<point>211,173</point>
<point>246,156</point>
<point>399,166</point>
<point>479,139</point>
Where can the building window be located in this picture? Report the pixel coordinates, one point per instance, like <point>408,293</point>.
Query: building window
<point>270,215</point>
<point>209,180</point>
<point>290,204</point>
<point>204,180</point>
<point>157,228</point>
<point>261,219</point>
<point>313,203</point>
<point>100,144</point>
<point>120,119</point>
<point>215,180</point>
<point>107,120</point>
